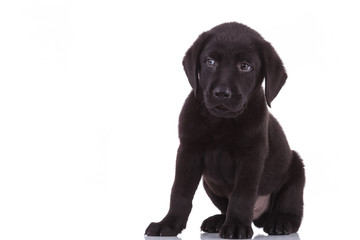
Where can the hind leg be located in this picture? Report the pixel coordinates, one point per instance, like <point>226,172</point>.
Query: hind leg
<point>214,223</point>
<point>285,214</point>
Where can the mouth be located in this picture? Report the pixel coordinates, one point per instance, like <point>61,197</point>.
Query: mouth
<point>221,108</point>
<point>222,111</point>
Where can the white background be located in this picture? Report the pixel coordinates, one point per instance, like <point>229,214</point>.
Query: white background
<point>90,93</point>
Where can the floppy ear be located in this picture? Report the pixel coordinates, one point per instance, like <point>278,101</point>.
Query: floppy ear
<point>275,74</point>
<point>191,61</point>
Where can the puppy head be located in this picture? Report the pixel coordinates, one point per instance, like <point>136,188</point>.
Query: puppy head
<point>227,64</point>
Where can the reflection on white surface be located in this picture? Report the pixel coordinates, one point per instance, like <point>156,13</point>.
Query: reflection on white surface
<point>161,238</point>
<point>293,236</point>
<point>215,236</point>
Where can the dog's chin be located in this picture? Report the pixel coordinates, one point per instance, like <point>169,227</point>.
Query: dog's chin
<point>223,111</point>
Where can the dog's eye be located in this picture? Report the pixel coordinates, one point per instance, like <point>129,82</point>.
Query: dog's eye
<point>210,62</point>
<point>244,67</point>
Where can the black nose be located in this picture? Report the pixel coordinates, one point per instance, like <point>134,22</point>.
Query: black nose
<point>222,93</point>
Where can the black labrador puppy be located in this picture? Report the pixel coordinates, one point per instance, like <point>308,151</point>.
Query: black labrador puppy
<point>228,137</point>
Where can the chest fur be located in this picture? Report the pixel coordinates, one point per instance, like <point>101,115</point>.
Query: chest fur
<point>219,171</point>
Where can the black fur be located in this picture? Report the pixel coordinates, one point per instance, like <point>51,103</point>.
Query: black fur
<point>228,137</point>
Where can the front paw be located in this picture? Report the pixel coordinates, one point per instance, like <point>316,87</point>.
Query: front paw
<point>282,224</point>
<point>235,229</point>
<point>163,229</point>
<point>213,223</point>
